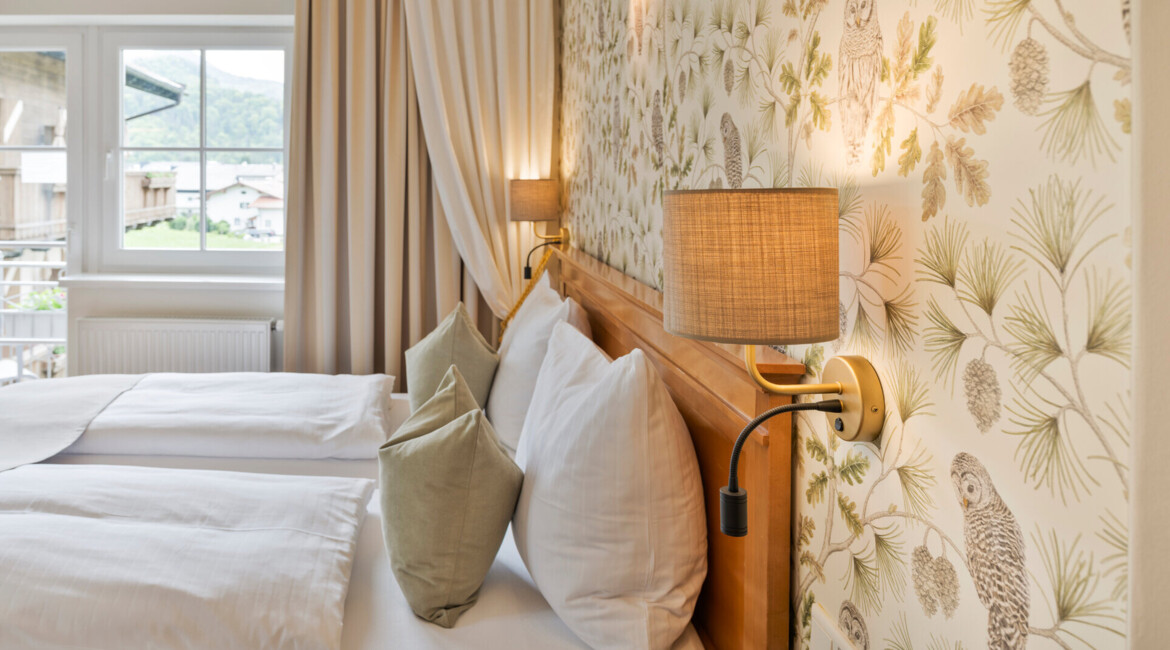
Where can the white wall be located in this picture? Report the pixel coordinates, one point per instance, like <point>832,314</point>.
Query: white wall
<point>1150,520</point>
<point>132,301</point>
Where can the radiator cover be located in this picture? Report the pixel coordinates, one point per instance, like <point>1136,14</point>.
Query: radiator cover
<point>141,345</point>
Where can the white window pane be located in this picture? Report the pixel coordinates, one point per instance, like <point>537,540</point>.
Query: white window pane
<point>245,98</point>
<point>160,200</point>
<point>160,98</point>
<point>245,200</point>
<point>32,99</point>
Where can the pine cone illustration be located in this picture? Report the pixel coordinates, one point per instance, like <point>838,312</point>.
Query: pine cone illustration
<point>1029,68</point>
<point>922,573</point>
<point>983,393</point>
<point>682,86</point>
<point>946,585</point>
<point>732,157</point>
<point>638,23</point>
<point>656,125</point>
<point>728,75</point>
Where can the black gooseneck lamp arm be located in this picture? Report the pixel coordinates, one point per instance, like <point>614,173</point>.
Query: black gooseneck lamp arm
<point>733,500</point>
<point>528,261</point>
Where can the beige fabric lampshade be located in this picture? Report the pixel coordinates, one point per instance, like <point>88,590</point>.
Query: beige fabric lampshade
<point>534,200</point>
<point>751,266</point>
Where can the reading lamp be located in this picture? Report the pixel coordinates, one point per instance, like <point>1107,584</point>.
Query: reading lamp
<point>535,200</point>
<point>759,267</point>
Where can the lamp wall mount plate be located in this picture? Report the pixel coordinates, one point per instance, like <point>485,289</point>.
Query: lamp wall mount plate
<point>863,402</point>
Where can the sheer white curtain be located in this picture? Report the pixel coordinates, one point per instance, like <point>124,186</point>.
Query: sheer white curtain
<point>370,265</point>
<point>485,73</point>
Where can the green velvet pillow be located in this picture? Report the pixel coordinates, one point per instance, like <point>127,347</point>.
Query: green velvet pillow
<point>448,492</point>
<point>456,341</point>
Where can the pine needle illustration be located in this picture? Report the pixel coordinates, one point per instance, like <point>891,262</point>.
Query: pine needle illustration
<point>943,252</point>
<point>1109,318</point>
<point>986,276</point>
<point>909,391</point>
<point>1045,454</point>
<point>944,340</point>
<point>1075,129</point>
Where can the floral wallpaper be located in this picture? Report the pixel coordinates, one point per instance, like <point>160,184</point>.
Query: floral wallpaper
<point>981,151</point>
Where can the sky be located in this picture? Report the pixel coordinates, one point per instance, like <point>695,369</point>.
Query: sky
<point>267,65</point>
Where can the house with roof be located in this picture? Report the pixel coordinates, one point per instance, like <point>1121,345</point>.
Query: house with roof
<point>249,206</point>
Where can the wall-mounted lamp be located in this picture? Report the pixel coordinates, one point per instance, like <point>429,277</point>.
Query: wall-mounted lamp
<point>535,200</point>
<point>759,267</point>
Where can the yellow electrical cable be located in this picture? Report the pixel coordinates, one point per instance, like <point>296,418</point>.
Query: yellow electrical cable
<point>527,290</point>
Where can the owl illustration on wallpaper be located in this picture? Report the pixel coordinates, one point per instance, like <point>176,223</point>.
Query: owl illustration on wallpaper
<point>859,74</point>
<point>995,554</point>
<point>853,625</point>
<point>732,155</point>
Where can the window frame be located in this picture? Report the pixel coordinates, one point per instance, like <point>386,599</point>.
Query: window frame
<point>72,42</point>
<point>104,226</point>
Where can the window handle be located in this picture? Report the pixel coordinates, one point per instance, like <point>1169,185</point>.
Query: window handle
<point>109,165</point>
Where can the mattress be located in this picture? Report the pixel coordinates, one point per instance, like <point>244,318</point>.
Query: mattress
<point>510,612</point>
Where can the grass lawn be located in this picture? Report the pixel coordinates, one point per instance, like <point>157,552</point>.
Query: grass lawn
<point>163,236</point>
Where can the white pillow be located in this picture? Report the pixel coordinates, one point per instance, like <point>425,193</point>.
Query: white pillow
<point>610,520</point>
<point>521,351</point>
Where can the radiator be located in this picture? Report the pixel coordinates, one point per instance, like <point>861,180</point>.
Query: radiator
<point>138,345</point>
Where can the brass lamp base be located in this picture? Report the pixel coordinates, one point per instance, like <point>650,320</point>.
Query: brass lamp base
<point>562,236</point>
<point>853,378</point>
<point>862,398</point>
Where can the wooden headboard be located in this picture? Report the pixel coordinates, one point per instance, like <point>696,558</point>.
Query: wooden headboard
<point>745,599</point>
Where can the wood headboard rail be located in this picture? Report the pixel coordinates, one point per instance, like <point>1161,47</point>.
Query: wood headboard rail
<point>744,602</point>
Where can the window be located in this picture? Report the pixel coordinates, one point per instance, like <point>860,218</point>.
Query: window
<point>40,95</point>
<point>195,131</point>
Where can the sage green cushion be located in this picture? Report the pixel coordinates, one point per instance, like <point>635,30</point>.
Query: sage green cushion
<point>456,341</point>
<point>448,492</point>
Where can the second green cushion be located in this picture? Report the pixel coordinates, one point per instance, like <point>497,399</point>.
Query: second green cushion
<point>448,490</point>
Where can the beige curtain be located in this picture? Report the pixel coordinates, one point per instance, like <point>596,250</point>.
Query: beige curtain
<point>485,73</point>
<point>370,264</point>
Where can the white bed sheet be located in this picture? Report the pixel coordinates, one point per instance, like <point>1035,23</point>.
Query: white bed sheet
<point>246,415</point>
<point>510,614</point>
<point>122,557</point>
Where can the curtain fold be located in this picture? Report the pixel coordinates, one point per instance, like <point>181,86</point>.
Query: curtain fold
<point>367,270</point>
<point>485,74</point>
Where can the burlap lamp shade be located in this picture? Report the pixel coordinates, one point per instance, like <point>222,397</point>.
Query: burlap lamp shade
<point>751,266</point>
<point>534,200</point>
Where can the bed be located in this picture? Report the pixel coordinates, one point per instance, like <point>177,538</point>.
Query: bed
<point>744,600</point>
<point>510,613</point>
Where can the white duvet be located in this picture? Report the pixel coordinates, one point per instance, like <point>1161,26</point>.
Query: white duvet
<point>137,557</point>
<point>247,415</point>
